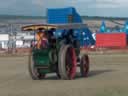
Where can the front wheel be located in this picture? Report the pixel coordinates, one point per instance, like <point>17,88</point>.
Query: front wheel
<point>84,65</point>
<point>34,72</point>
<point>67,62</point>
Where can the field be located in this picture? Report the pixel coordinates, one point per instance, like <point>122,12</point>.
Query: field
<point>107,77</point>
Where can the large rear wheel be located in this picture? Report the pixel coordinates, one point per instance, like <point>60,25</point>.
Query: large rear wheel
<point>34,72</point>
<point>67,62</point>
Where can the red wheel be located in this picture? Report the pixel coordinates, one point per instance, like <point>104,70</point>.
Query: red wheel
<point>84,65</point>
<point>71,63</point>
<point>67,62</point>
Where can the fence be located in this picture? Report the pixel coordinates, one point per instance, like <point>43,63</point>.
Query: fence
<point>20,51</point>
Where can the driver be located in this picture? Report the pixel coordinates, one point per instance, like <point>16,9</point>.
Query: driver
<point>41,38</point>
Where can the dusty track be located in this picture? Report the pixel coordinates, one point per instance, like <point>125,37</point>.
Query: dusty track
<point>108,77</point>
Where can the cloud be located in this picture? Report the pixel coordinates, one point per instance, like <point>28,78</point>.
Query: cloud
<point>50,3</point>
<point>81,1</point>
<point>38,2</point>
<point>6,3</point>
<point>111,3</point>
<point>20,7</point>
<point>106,1</point>
<point>33,7</point>
<point>84,7</point>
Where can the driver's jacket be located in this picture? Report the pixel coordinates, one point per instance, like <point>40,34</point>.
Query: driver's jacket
<point>41,39</point>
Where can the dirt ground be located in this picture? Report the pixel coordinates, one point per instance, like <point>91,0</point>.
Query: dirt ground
<point>108,77</point>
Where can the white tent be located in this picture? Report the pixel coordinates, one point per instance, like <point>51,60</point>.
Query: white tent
<point>4,38</point>
<point>19,43</point>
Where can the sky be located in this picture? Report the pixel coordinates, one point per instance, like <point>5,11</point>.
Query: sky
<point>115,8</point>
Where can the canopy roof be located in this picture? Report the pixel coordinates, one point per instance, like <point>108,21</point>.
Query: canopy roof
<point>54,26</point>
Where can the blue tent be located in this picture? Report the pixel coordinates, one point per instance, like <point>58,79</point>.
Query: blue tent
<point>63,15</point>
<point>70,15</point>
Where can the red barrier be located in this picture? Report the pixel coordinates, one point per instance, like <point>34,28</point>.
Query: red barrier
<point>111,40</point>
